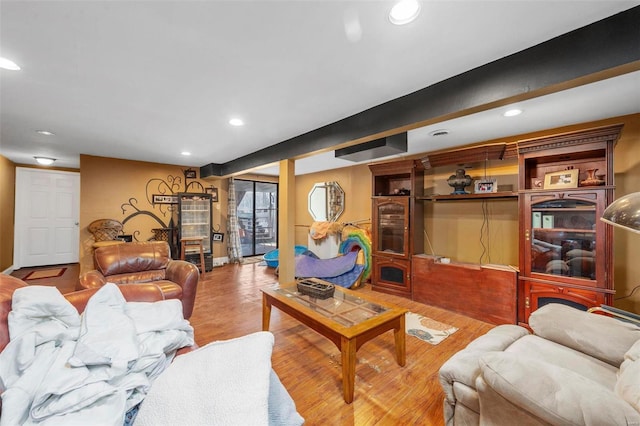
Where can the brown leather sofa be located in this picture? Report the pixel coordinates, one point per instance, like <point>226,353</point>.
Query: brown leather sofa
<point>145,262</point>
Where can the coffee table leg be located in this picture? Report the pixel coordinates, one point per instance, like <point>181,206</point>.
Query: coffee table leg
<point>401,348</point>
<point>266,312</point>
<point>348,350</point>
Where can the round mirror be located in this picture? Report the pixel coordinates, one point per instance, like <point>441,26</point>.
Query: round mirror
<point>326,201</point>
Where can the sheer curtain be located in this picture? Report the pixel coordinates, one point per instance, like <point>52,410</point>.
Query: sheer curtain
<point>234,247</point>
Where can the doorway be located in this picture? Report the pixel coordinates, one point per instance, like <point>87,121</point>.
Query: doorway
<point>46,217</point>
<point>257,207</point>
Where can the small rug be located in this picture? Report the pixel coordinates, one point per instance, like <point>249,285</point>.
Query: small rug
<point>253,259</point>
<point>431,331</point>
<point>44,273</point>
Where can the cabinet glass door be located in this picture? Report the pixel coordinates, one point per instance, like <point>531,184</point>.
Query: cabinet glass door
<point>392,226</point>
<point>195,219</point>
<point>563,238</point>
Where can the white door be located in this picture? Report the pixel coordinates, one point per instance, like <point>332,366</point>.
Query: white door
<point>47,217</point>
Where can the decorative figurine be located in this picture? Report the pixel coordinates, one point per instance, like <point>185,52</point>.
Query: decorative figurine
<point>459,181</point>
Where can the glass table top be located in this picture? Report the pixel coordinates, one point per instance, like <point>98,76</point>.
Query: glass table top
<point>346,309</point>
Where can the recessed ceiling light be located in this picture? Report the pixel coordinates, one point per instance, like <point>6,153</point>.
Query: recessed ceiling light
<point>512,112</point>
<point>185,153</point>
<point>404,12</point>
<point>236,122</point>
<point>439,132</point>
<point>45,161</point>
<point>8,64</point>
<point>44,132</point>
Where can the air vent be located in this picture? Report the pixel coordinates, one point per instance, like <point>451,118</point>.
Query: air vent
<point>396,144</point>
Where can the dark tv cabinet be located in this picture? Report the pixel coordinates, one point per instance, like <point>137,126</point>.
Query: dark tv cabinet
<point>397,224</point>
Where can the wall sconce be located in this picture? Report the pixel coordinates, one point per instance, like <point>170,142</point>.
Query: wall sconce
<point>45,161</point>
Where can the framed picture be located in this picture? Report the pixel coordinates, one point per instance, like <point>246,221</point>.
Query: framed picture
<point>485,186</point>
<point>561,179</point>
<point>190,174</point>
<point>214,193</point>
<point>218,237</point>
<point>164,199</point>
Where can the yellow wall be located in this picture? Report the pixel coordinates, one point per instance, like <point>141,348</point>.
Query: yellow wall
<point>476,231</point>
<point>121,189</point>
<point>627,244</point>
<point>356,184</point>
<point>7,211</point>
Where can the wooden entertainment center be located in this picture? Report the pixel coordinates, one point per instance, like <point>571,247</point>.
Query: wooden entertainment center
<point>565,252</point>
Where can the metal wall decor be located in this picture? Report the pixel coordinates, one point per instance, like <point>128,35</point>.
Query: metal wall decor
<point>214,193</point>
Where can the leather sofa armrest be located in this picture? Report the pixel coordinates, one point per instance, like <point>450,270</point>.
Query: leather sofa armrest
<point>601,337</point>
<point>186,275</point>
<point>527,391</point>
<point>92,279</point>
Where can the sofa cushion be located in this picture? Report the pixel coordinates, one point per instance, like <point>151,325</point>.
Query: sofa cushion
<point>596,335</point>
<point>628,384</point>
<point>554,394</point>
<point>633,354</point>
<point>137,277</point>
<point>562,356</point>
<point>132,258</point>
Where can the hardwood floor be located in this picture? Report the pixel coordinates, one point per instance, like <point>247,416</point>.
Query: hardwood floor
<point>229,304</point>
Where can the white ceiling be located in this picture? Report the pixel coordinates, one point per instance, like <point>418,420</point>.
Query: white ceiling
<point>145,80</point>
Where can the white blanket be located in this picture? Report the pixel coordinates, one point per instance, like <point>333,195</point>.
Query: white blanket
<point>224,383</point>
<point>64,368</point>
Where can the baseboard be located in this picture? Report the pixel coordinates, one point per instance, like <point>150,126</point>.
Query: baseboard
<point>219,261</point>
<point>8,271</point>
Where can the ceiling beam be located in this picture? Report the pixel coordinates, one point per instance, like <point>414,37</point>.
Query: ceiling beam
<point>604,49</point>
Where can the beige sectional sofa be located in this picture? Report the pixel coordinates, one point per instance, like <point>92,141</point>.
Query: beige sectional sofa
<point>576,368</point>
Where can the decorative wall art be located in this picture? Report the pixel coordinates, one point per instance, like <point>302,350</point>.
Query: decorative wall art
<point>165,199</point>
<point>214,193</point>
<point>561,179</point>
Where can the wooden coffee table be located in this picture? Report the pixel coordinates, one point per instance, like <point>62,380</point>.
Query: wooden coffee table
<point>348,319</point>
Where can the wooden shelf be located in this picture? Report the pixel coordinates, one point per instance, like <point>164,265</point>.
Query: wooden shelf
<point>454,197</point>
<point>580,188</point>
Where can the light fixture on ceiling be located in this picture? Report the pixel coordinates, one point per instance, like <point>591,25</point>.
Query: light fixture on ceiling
<point>439,132</point>
<point>185,153</point>
<point>404,12</point>
<point>512,112</point>
<point>45,133</point>
<point>8,64</point>
<point>236,122</point>
<point>384,147</point>
<point>44,161</point>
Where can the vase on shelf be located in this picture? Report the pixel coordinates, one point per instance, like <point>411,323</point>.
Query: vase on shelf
<point>459,182</point>
<point>593,179</point>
